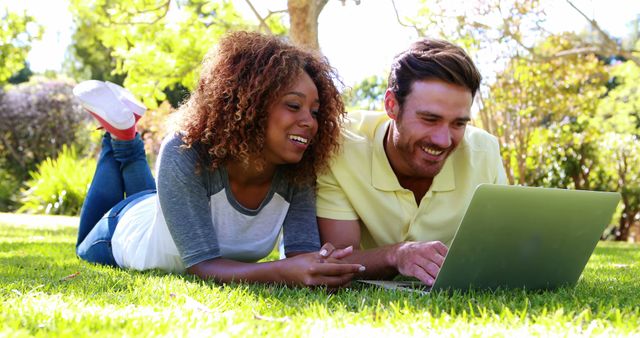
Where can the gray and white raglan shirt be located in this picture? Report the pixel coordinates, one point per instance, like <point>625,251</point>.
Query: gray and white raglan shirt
<point>195,217</point>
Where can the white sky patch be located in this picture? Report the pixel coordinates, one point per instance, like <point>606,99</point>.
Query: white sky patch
<point>54,16</point>
<point>361,40</point>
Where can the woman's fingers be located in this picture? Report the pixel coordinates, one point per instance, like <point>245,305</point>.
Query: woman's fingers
<point>334,281</point>
<point>329,270</point>
<point>330,251</point>
<point>326,250</point>
<point>336,269</point>
<point>342,253</point>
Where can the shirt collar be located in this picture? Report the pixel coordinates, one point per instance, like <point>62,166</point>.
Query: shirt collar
<point>382,175</point>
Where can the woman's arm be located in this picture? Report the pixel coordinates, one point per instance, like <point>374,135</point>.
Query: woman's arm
<point>307,269</point>
<point>185,205</point>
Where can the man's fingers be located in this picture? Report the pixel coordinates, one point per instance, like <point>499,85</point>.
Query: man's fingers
<point>440,248</point>
<point>422,275</point>
<point>438,259</point>
<point>432,269</point>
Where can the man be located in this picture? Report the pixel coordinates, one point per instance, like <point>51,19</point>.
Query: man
<point>400,187</point>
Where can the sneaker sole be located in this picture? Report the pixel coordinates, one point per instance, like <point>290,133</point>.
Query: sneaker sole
<point>120,123</point>
<point>123,134</point>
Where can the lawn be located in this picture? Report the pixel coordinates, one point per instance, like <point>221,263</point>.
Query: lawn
<point>46,291</point>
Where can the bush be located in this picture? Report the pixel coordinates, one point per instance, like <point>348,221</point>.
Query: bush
<point>38,118</point>
<point>58,186</point>
<point>8,187</point>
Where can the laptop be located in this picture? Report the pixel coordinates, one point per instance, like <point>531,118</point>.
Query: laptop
<point>521,237</point>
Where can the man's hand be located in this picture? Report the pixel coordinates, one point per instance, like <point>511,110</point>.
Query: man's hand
<point>420,259</point>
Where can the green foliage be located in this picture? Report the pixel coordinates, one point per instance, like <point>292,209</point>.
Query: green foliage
<point>88,58</point>
<point>542,113</point>
<point>58,186</point>
<point>9,184</point>
<point>16,34</point>
<point>368,94</point>
<point>621,164</point>
<point>619,110</point>
<point>276,25</point>
<point>155,46</point>
<point>22,75</point>
<point>618,117</point>
<point>46,291</point>
<point>564,123</point>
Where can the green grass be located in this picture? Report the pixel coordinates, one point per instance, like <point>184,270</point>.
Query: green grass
<point>39,299</point>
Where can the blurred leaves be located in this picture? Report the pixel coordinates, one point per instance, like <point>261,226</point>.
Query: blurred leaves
<point>559,95</point>
<point>58,186</point>
<point>367,94</point>
<point>38,118</point>
<point>17,32</point>
<point>155,44</point>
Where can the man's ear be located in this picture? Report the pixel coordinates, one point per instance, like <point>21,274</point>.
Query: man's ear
<point>391,104</point>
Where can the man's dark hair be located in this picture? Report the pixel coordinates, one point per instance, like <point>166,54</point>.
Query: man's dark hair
<point>429,59</point>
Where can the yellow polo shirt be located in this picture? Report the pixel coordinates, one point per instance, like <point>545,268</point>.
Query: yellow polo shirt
<point>360,185</point>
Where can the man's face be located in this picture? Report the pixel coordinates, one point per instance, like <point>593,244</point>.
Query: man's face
<point>427,128</point>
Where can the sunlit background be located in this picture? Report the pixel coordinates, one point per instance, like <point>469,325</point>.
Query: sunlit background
<point>560,89</point>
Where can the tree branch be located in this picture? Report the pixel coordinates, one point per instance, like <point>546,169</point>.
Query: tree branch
<point>609,45</point>
<point>594,24</point>
<point>263,21</point>
<point>395,9</point>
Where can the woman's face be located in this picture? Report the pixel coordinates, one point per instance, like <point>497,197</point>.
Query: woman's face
<point>291,122</point>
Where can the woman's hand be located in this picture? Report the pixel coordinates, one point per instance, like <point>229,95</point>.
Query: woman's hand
<point>324,267</point>
<point>328,251</point>
<point>321,268</point>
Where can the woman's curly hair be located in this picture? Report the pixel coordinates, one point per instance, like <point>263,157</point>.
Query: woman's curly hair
<point>226,116</point>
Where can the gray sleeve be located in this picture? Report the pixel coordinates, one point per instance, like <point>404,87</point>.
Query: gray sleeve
<point>185,203</point>
<point>300,228</point>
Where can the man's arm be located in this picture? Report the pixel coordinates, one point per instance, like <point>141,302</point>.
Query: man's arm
<point>417,259</point>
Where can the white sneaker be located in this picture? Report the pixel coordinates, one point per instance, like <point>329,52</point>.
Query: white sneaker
<point>128,100</point>
<point>107,108</point>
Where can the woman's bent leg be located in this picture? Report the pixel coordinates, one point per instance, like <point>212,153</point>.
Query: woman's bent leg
<point>105,191</point>
<point>135,170</point>
<point>96,246</point>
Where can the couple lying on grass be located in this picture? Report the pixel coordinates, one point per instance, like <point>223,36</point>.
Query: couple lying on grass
<point>262,125</point>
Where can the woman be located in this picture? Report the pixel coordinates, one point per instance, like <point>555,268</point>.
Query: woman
<point>262,122</point>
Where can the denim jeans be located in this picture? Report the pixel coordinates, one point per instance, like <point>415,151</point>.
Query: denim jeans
<point>122,171</point>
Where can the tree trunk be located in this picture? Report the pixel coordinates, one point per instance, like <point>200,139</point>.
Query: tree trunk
<point>303,22</point>
<point>623,227</point>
